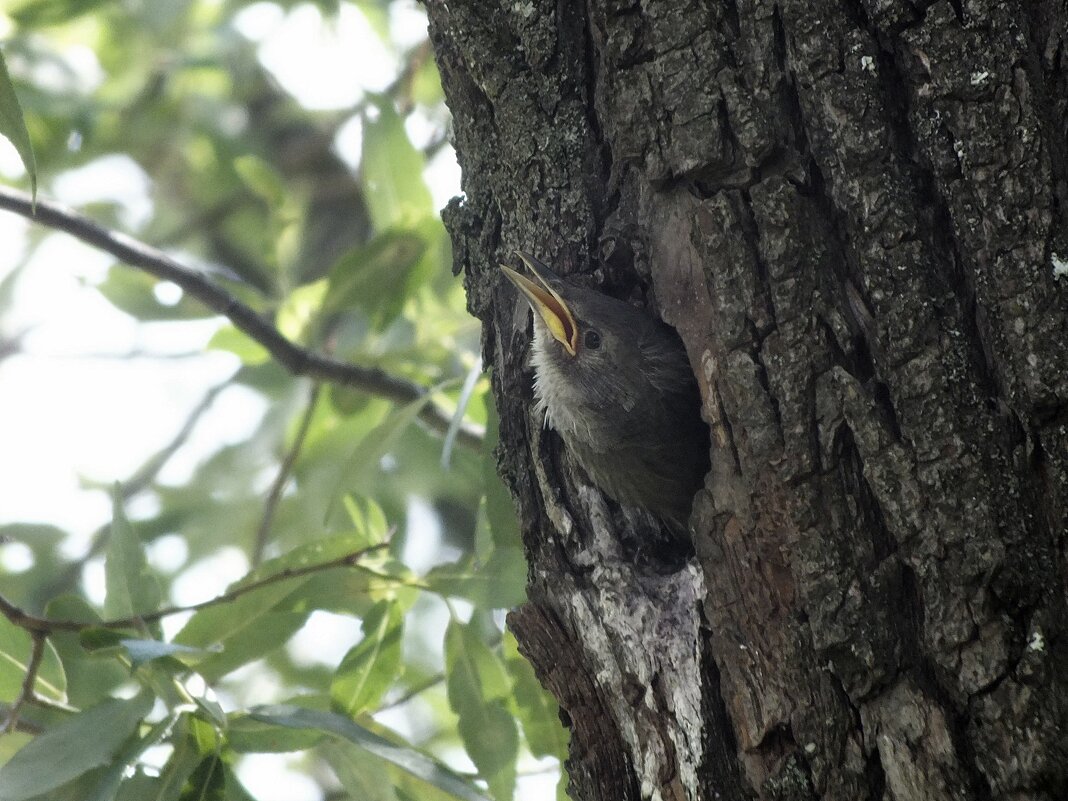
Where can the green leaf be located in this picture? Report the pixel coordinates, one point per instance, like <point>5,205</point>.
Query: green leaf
<point>97,639</point>
<point>367,518</point>
<point>478,685</point>
<point>261,178</point>
<point>13,125</point>
<point>207,782</point>
<point>251,643</point>
<point>133,292</point>
<point>131,587</point>
<point>87,740</point>
<point>300,310</point>
<point>246,735</point>
<point>392,172</point>
<point>237,342</point>
<point>218,622</point>
<point>373,664</point>
<point>410,760</point>
<point>364,460</point>
<point>89,678</point>
<point>536,709</point>
<point>498,582</point>
<point>377,14</point>
<point>142,651</point>
<point>16,645</point>
<point>44,13</point>
<point>426,84</point>
<point>471,668</point>
<point>107,784</point>
<point>138,787</point>
<point>376,277</point>
<point>363,775</point>
<point>179,767</point>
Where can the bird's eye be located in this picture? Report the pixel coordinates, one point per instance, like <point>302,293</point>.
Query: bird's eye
<point>592,340</point>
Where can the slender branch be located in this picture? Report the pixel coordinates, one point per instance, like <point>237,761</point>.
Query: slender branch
<point>280,480</point>
<point>22,725</point>
<point>27,693</point>
<point>297,360</point>
<point>42,627</point>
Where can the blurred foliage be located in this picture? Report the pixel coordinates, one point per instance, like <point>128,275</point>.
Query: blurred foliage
<point>353,261</point>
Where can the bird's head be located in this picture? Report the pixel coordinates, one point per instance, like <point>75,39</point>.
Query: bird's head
<point>576,325</point>
<point>591,352</point>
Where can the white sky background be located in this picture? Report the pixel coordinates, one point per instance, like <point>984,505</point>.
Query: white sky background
<point>68,412</point>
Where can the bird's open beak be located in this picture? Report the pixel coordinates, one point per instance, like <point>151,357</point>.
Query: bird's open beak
<point>546,301</point>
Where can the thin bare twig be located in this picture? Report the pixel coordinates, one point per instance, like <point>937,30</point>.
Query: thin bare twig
<point>42,627</point>
<point>27,693</point>
<point>280,480</point>
<point>297,360</point>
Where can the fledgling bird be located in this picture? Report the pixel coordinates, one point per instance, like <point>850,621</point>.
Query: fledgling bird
<point>616,384</point>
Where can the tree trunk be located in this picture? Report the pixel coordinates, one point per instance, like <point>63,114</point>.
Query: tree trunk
<point>855,215</point>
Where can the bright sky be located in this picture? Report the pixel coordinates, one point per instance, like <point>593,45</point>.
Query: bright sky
<point>70,411</point>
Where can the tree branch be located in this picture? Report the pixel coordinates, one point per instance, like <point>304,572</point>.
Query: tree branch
<point>297,360</point>
<point>41,627</point>
<point>27,693</point>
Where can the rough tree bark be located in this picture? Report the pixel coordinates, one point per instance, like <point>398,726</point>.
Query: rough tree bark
<point>854,212</point>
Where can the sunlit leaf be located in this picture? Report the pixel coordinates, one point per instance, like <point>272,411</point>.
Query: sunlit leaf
<point>13,126</point>
<point>367,518</point>
<point>426,84</point>
<point>82,742</point>
<point>131,587</point>
<point>261,178</point>
<point>134,292</point>
<point>237,342</point>
<point>373,664</point>
<point>300,310</point>
<point>377,14</point>
<point>16,646</point>
<point>392,172</point>
<point>412,761</point>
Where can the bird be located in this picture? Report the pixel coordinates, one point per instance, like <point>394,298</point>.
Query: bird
<point>617,386</point>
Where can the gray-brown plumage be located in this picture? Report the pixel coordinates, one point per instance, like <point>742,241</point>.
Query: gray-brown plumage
<point>616,384</point>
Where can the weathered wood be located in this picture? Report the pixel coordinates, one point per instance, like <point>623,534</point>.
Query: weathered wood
<point>856,215</point>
